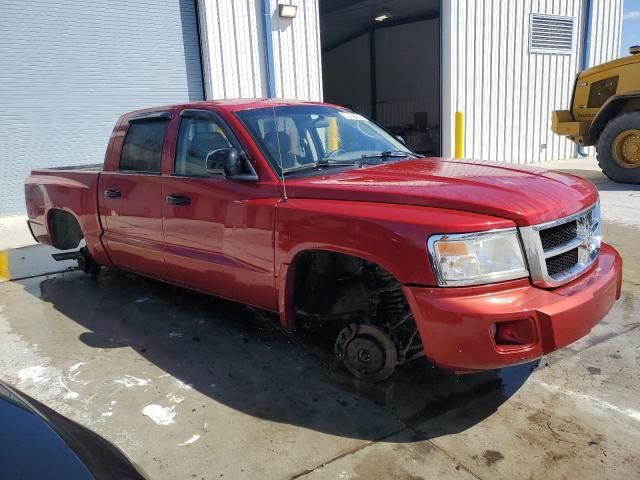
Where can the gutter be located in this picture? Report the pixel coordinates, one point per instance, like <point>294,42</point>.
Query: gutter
<point>586,49</point>
<point>268,48</point>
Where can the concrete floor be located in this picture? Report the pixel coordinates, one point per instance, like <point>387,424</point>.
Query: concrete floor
<point>194,387</point>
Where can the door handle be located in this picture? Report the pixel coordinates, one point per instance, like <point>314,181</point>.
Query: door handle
<point>178,200</point>
<point>112,193</point>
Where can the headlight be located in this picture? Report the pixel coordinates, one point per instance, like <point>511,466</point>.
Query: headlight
<point>477,258</point>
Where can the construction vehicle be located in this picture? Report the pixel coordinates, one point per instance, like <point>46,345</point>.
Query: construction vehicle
<point>605,112</point>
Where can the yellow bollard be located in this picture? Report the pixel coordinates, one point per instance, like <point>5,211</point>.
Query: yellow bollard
<point>5,275</point>
<point>459,151</point>
<point>333,135</point>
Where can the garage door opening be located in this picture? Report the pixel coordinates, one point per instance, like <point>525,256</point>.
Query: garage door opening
<point>382,59</point>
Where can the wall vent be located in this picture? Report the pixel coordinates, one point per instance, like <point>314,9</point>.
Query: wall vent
<point>551,34</point>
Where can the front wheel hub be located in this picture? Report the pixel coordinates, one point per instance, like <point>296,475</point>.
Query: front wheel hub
<point>626,149</point>
<point>367,352</point>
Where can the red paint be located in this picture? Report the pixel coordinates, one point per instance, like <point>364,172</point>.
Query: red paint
<point>465,316</point>
<point>239,240</point>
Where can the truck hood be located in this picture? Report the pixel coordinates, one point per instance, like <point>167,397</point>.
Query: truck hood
<point>527,196</point>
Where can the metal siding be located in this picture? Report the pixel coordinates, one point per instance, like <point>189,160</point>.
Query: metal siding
<point>296,51</point>
<point>507,93</point>
<point>234,50</point>
<point>68,69</point>
<point>606,22</point>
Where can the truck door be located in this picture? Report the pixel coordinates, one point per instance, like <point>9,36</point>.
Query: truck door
<point>218,233</point>
<point>130,195</point>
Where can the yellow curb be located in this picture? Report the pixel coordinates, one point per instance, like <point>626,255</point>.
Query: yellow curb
<point>5,274</point>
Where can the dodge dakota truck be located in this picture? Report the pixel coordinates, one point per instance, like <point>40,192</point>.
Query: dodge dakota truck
<point>316,213</point>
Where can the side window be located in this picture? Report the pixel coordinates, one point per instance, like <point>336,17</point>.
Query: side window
<point>196,139</point>
<point>142,148</point>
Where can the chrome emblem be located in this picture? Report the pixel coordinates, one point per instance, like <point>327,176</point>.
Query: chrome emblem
<point>590,234</point>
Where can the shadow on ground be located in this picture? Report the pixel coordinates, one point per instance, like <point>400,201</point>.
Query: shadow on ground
<point>256,368</point>
<point>601,180</point>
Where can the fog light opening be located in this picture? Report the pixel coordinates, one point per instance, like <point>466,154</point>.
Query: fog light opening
<point>514,332</point>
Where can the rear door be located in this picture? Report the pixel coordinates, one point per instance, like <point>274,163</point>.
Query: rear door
<point>218,232</point>
<point>130,192</point>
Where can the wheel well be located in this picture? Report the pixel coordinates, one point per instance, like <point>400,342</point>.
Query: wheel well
<point>611,111</point>
<point>332,290</point>
<point>321,277</point>
<point>64,230</point>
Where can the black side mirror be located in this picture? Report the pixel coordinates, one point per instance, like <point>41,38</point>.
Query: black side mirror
<point>223,162</point>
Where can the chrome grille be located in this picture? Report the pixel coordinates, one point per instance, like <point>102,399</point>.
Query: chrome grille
<point>561,250</point>
<point>559,235</point>
<point>561,263</point>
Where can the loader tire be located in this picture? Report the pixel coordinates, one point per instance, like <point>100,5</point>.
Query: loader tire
<point>619,148</point>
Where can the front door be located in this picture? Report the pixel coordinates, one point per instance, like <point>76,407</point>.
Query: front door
<point>218,233</point>
<point>131,198</point>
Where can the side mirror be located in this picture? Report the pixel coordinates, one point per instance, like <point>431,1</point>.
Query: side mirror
<point>223,162</point>
<point>401,139</point>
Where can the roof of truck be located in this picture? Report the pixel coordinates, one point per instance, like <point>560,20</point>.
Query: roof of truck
<point>232,105</point>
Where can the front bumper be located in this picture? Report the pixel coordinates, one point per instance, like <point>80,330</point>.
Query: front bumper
<point>458,325</point>
<point>562,123</point>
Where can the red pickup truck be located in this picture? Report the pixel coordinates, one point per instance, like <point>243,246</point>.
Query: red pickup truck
<point>314,212</point>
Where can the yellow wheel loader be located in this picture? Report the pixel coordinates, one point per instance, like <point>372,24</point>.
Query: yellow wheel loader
<point>605,111</point>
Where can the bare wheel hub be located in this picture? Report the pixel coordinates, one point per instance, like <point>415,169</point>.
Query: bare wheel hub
<point>367,352</point>
<point>626,149</point>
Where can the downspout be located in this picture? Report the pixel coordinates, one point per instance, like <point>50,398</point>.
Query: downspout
<point>586,49</point>
<point>268,48</point>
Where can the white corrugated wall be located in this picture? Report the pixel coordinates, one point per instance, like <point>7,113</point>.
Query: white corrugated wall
<point>606,29</point>
<point>505,92</point>
<point>232,46</point>
<point>297,52</point>
<point>69,69</point>
<point>233,49</point>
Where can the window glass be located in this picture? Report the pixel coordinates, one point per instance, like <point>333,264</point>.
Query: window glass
<point>294,136</point>
<point>142,149</point>
<point>601,91</point>
<point>196,139</point>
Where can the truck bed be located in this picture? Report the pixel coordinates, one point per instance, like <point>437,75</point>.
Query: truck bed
<point>65,191</point>
<point>96,167</point>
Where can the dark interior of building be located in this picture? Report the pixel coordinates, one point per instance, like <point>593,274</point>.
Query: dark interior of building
<point>382,59</point>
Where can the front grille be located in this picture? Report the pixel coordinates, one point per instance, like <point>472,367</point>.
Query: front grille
<point>561,250</point>
<point>559,235</point>
<point>562,263</point>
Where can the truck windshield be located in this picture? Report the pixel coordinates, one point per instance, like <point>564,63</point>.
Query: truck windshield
<point>305,137</point>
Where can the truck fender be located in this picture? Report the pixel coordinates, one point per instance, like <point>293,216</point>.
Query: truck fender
<point>611,109</point>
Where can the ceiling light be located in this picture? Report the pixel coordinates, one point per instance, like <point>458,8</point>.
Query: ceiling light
<point>287,11</point>
<point>383,16</point>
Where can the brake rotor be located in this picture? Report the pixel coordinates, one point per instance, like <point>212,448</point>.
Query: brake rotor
<point>367,352</point>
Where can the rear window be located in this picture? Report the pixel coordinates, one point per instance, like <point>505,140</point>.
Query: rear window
<point>142,149</point>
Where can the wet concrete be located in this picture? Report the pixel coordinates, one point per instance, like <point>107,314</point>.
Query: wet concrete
<point>194,387</point>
